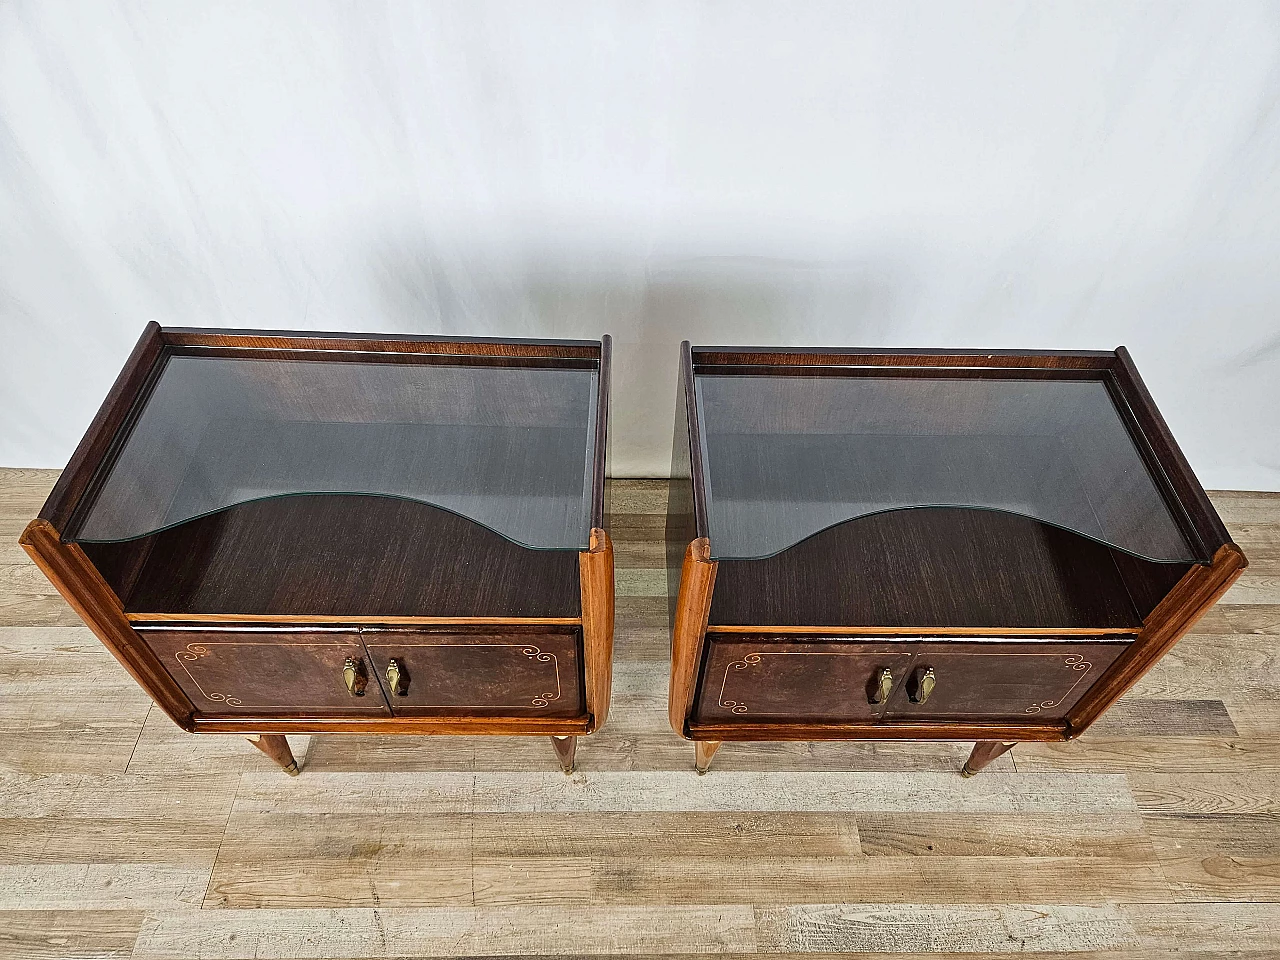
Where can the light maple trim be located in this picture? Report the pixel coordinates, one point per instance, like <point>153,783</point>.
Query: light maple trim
<point>311,619</point>
<point>926,631</point>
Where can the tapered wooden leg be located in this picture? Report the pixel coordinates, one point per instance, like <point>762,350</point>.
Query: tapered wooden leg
<point>984,751</point>
<point>565,749</point>
<point>703,751</point>
<point>275,746</point>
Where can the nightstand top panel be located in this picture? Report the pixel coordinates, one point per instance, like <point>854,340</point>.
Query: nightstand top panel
<point>508,443</point>
<point>788,453</point>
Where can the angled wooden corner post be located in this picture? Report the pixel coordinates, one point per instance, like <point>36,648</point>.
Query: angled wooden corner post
<point>1198,590</point>
<point>65,563</point>
<point>693,608</point>
<point>1200,587</point>
<point>80,584</point>
<point>596,570</point>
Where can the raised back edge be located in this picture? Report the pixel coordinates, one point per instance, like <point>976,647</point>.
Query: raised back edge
<point>1204,520</point>
<point>196,338</point>
<point>883,357</point>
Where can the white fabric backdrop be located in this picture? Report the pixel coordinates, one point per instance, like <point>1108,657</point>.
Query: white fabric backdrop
<point>946,174</point>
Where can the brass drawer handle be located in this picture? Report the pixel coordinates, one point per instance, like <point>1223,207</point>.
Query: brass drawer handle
<point>353,676</point>
<point>884,686</point>
<point>928,680</point>
<point>396,674</point>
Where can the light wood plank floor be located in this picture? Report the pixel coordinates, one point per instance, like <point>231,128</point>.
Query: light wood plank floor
<point>1159,832</point>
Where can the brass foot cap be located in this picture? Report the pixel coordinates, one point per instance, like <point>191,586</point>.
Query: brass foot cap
<point>967,773</point>
<point>292,769</point>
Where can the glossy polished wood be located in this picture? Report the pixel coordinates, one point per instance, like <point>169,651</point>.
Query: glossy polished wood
<point>689,632</point>
<point>766,678</point>
<point>983,753</point>
<point>416,726</point>
<point>254,619</point>
<point>1186,603</point>
<point>997,681</point>
<point>930,567</point>
<point>596,577</point>
<point>261,673</point>
<point>840,680</point>
<point>946,582</point>
<point>329,342</point>
<point>704,751</point>
<point>565,748</point>
<point>339,555</point>
<point>478,674</point>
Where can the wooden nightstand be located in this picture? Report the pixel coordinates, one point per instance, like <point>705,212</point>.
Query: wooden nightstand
<point>878,544</point>
<point>281,532</point>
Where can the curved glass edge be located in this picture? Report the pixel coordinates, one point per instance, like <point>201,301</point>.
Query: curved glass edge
<point>584,544</point>
<point>946,506</point>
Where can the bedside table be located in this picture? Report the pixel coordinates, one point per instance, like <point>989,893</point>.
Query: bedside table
<point>281,532</point>
<point>878,544</point>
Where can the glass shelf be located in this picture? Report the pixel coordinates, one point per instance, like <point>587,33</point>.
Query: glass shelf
<point>786,457</point>
<point>508,446</point>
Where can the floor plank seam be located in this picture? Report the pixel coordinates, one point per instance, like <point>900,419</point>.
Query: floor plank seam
<point>138,739</point>
<point>217,853</point>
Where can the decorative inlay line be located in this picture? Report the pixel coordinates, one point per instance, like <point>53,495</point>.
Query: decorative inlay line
<point>529,650</point>
<point>1075,662</point>
<point>750,659</point>
<point>174,621</point>
<point>196,651</point>
<point>535,654</point>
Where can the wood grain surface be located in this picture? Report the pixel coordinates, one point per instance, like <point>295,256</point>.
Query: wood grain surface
<point>1156,833</point>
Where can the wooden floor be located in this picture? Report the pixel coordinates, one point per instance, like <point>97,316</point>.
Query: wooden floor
<point>120,835</point>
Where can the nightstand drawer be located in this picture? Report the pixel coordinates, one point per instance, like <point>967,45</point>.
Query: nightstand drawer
<point>270,672</point>
<point>750,679</point>
<point>488,674</point>
<point>1014,680</point>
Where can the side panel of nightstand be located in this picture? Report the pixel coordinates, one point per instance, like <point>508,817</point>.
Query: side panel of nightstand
<point>80,584</point>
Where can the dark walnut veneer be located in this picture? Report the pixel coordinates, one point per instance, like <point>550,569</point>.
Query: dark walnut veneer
<point>244,602</point>
<point>930,621</point>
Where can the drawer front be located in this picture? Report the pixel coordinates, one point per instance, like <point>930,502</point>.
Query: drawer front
<point>1001,680</point>
<point>491,674</point>
<point>833,680</point>
<point>265,672</point>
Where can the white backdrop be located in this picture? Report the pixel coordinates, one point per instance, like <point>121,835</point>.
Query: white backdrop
<point>942,174</point>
